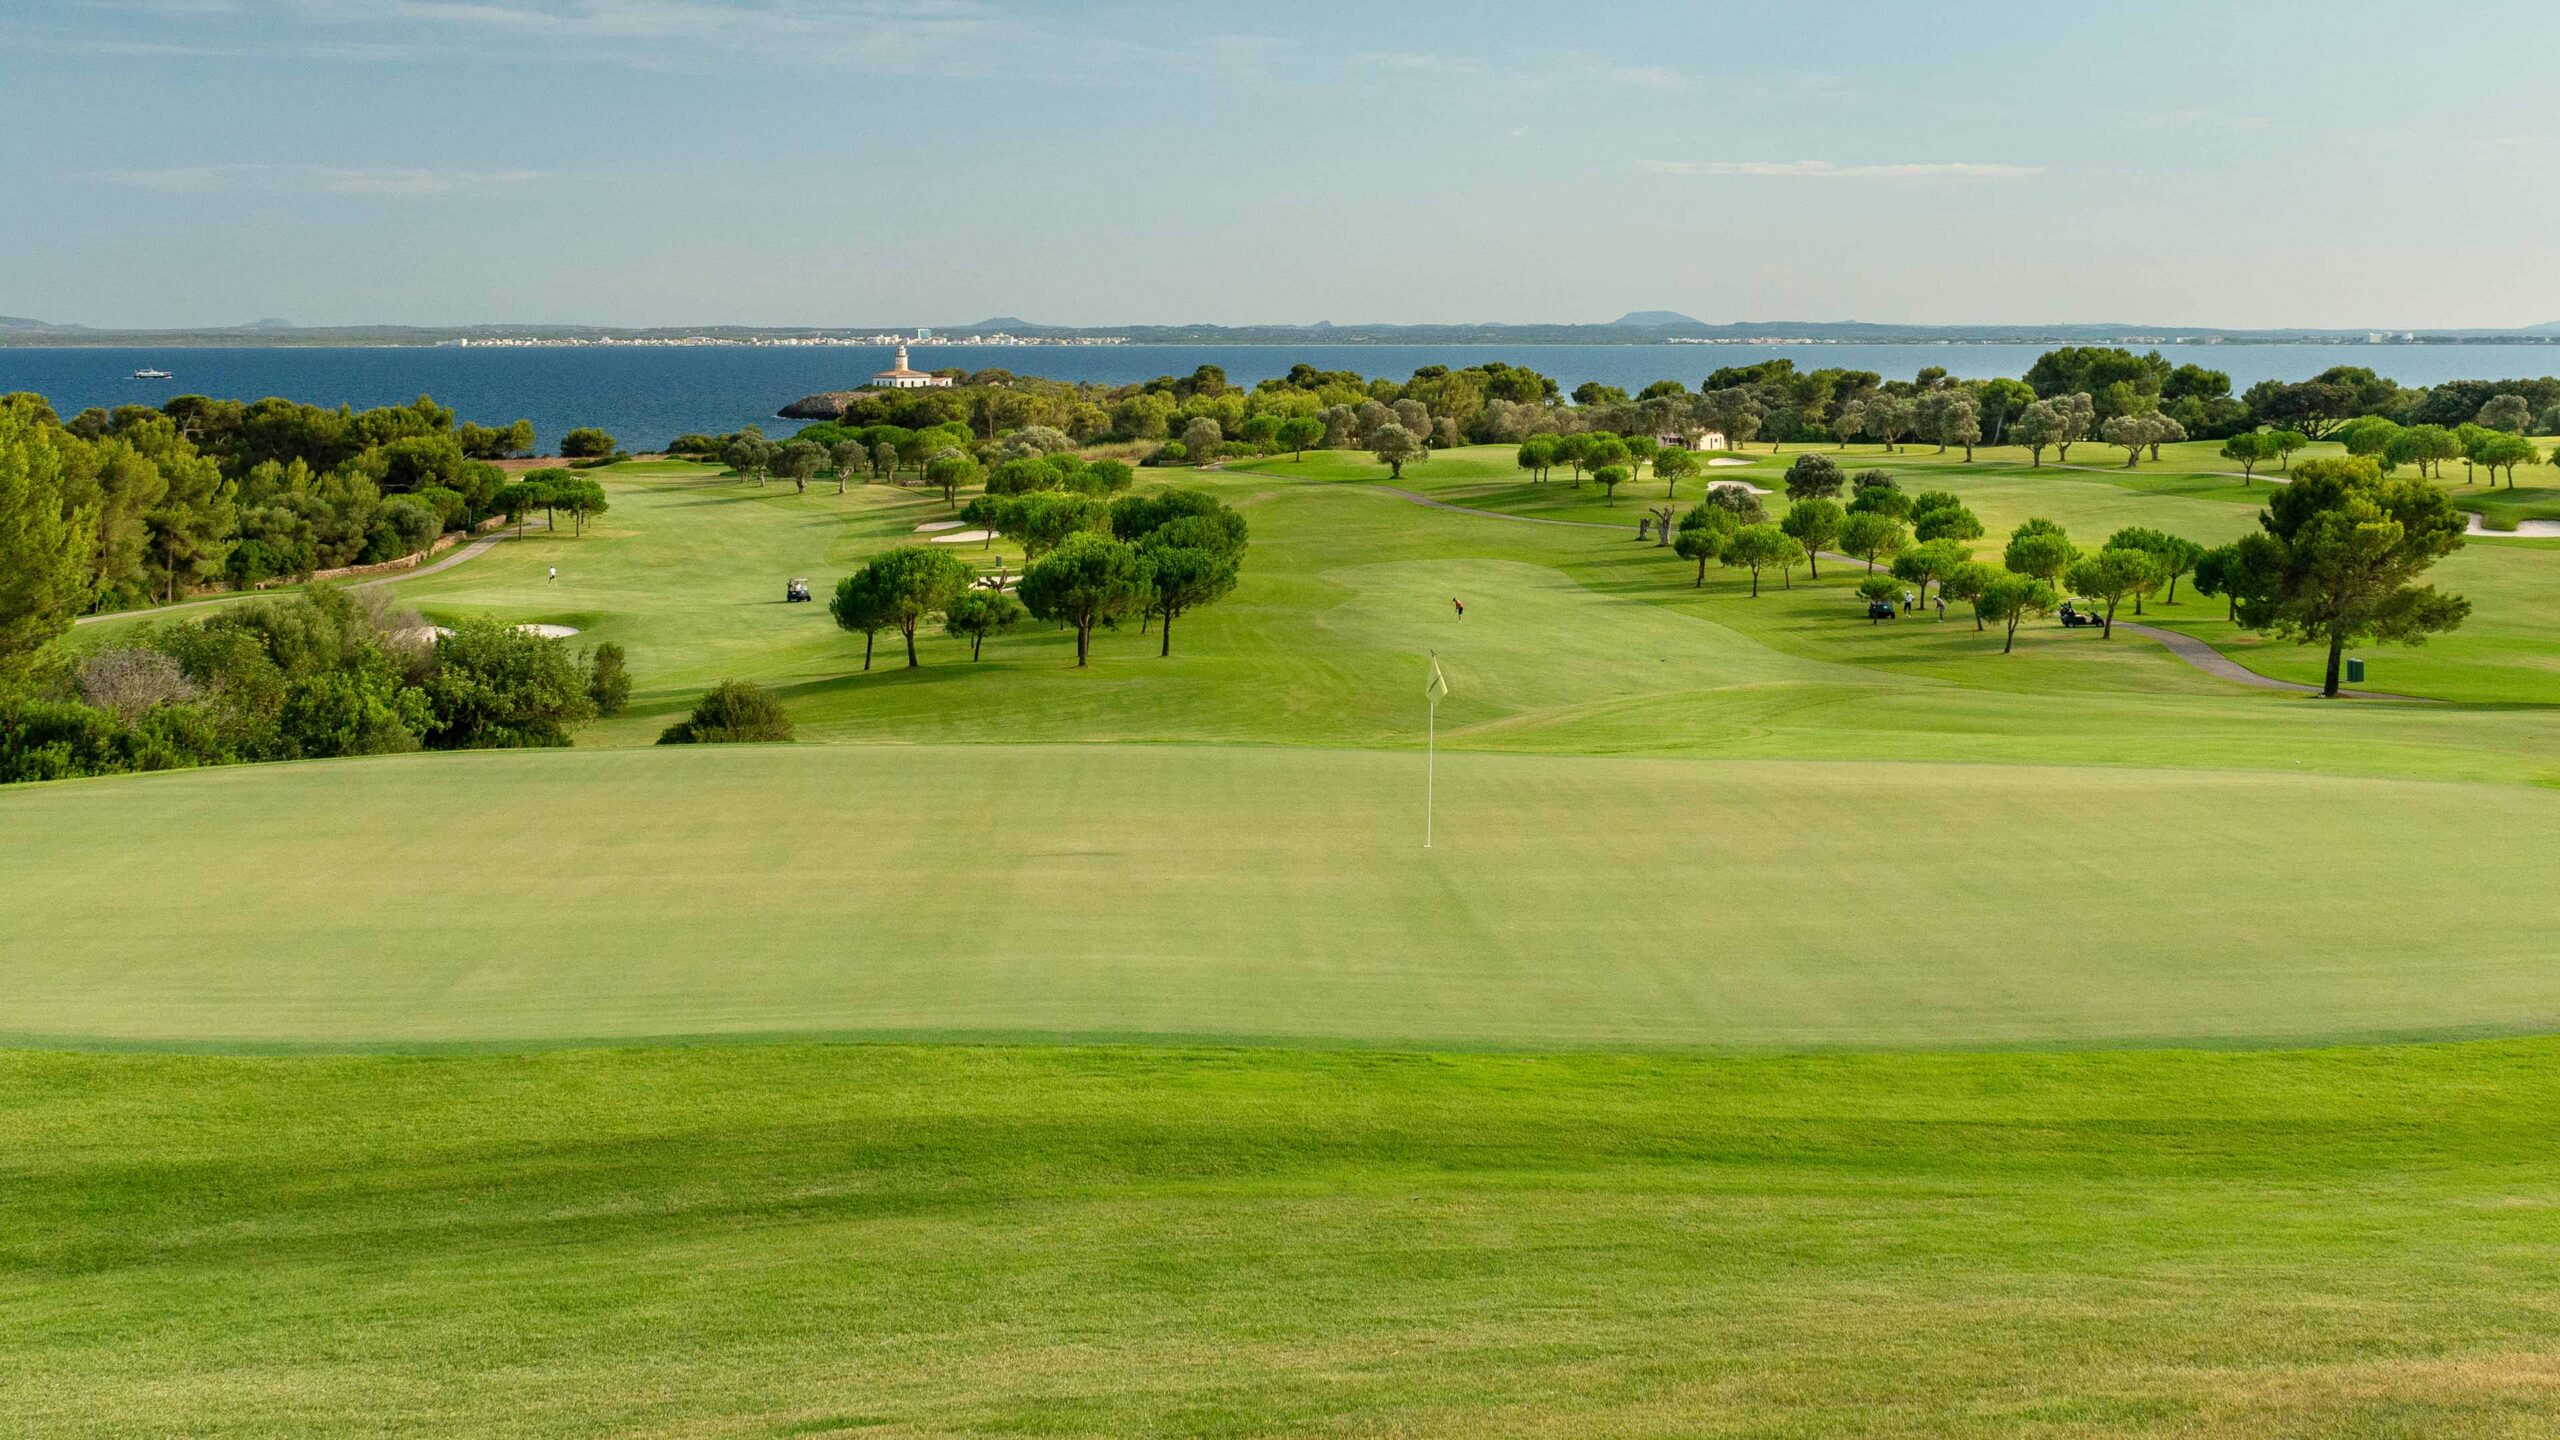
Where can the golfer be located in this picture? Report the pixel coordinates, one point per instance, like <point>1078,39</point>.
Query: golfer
<point>555,576</point>
<point>1461,604</point>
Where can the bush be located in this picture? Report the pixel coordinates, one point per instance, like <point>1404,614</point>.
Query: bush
<point>55,740</point>
<point>414,525</point>
<point>498,688</point>
<point>130,679</point>
<point>255,560</point>
<point>731,712</point>
<point>64,739</point>
<point>586,443</point>
<point>608,685</point>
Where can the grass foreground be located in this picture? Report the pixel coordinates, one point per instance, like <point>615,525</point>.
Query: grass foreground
<point>947,1240</point>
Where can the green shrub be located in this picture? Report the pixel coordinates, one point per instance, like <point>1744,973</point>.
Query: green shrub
<point>731,712</point>
<point>497,688</point>
<point>608,684</point>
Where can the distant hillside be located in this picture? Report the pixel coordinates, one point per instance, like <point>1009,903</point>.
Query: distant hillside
<point>21,322</point>
<point>1654,319</point>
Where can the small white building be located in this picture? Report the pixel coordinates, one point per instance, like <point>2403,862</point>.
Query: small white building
<point>901,377</point>
<point>1703,440</point>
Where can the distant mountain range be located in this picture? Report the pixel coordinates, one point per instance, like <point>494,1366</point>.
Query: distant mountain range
<point>1634,327</point>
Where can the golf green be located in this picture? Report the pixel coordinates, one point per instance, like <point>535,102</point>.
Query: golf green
<point>1263,894</point>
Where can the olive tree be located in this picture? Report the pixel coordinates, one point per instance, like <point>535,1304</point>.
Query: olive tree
<point>1394,445</point>
<point>798,462</point>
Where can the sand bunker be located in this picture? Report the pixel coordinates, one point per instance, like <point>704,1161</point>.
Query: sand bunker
<point>931,525</point>
<point>1725,460</point>
<point>964,537</point>
<point>439,632</point>
<point>2527,529</point>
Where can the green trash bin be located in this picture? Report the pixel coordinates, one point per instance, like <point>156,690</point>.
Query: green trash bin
<point>2355,671</point>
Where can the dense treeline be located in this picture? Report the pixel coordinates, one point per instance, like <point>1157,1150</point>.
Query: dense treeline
<point>2069,394</point>
<point>200,492</point>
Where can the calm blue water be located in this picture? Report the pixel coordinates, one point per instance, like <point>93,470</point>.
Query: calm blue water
<point>647,396</point>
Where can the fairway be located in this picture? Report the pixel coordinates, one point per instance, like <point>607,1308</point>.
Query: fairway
<point>1259,894</point>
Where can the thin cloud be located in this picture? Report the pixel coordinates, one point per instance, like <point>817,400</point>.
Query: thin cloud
<point>920,35</point>
<point>1832,170</point>
<point>2199,118</point>
<point>1415,62</point>
<point>397,182</point>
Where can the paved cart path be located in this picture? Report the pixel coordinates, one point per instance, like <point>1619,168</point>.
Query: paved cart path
<point>477,547</point>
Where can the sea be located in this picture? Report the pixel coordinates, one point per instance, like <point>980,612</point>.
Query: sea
<point>646,395</point>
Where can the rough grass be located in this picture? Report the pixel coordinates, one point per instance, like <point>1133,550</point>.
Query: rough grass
<point>950,1240</point>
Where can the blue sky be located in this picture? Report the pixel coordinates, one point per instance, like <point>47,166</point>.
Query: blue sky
<point>847,162</point>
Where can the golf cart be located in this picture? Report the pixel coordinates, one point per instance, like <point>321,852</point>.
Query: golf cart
<point>2076,615</point>
<point>798,590</point>
<point>1879,610</point>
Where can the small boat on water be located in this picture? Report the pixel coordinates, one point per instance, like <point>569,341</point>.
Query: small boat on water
<point>152,375</point>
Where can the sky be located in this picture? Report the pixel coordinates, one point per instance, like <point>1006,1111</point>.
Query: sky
<point>849,162</point>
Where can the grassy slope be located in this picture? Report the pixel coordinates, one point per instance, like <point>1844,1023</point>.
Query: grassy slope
<point>1064,1242</point>
<point>2503,655</point>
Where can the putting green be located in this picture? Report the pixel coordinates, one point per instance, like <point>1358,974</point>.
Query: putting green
<point>1264,894</point>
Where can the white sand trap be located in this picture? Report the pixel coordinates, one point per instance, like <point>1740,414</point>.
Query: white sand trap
<point>964,537</point>
<point>2527,529</point>
<point>1724,461</point>
<point>931,525</point>
<point>439,632</point>
<point>1736,485</point>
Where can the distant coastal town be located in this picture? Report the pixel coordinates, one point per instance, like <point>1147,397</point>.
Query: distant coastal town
<point>818,340</point>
